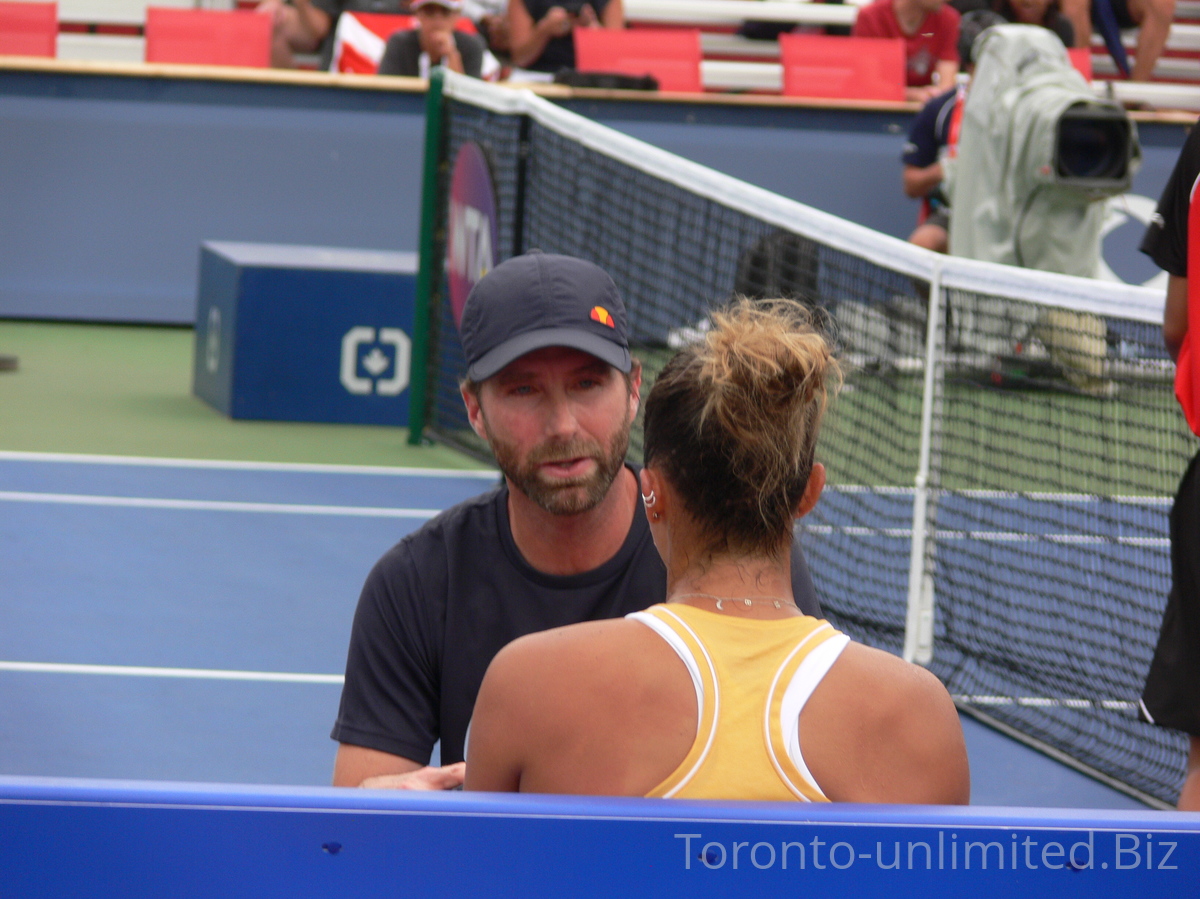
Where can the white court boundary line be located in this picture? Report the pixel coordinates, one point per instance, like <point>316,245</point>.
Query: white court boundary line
<point>991,701</point>
<point>827,530</point>
<point>1035,496</point>
<point>337,679</point>
<point>184,673</point>
<point>232,465</point>
<point>205,505</point>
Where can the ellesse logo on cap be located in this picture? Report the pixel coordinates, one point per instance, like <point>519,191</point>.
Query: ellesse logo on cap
<point>602,315</point>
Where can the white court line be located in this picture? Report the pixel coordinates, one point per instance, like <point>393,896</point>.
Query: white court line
<point>1006,494</point>
<point>987,536</point>
<point>1119,705</point>
<point>138,502</point>
<point>295,678</point>
<point>315,467</point>
<point>287,677</point>
<point>186,673</point>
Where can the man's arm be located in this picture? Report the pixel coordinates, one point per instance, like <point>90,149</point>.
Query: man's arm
<point>354,764</point>
<point>357,766</point>
<point>446,50</point>
<point>529,38</point>
<point>945,72</point>
<point>1079,14</point>
<point>613,15</point>
<point>387,720</point>
<point>1175,315</point>
<point>314,21</point>
<point>919,181</point>
<point>301,23</point>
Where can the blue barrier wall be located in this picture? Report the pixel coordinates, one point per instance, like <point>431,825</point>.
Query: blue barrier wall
<point>102,839</point>
<point>109,182</point>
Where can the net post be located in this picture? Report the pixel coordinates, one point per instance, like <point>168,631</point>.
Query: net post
<point>518,246</point>
<point>418,390</point>
<point>918,625</point>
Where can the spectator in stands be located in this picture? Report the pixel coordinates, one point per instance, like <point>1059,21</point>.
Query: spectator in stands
<point>433,42</point>
<point>491,18</point>
<point>670,702</point>
<point>306,26</point>
<point>1152,18</point>
<point>932,139</point>
<point>540,30</point>
<point>1047,13</point>
<point>930,32</point>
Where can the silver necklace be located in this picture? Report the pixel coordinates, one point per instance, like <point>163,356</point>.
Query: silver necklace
<point>744,600</point>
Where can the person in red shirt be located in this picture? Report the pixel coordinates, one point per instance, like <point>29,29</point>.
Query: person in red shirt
<point>930,32</point>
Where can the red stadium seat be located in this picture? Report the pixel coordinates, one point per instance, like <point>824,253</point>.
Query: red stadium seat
<point>208,37</point>
<point>28,29</point>
<point>671,55</point>
<point>842,68</point>
<point>1081,59</point>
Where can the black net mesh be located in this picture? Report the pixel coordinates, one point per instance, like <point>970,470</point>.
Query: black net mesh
<point>1059,447</point>
<point>1055,448</point>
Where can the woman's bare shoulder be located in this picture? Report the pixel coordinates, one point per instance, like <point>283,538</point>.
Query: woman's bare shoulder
<point>894,723</point>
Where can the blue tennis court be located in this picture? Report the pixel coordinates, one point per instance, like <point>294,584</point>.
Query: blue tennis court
<point>179,620</point>
<point>188,621</point>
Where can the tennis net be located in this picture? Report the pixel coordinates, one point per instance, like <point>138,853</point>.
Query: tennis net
<point>1000,460</point>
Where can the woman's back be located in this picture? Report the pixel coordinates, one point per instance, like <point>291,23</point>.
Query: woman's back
<point>752,677</point>
<point>610,708</point>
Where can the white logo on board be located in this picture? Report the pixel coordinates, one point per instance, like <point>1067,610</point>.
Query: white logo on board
<point>471,254</point>
<point>361,346</point>
<point>212,341</point>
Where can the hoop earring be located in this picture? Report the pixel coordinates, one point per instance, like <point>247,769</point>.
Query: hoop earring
<point>649,500</point>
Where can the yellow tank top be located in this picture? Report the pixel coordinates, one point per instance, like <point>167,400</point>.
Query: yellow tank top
<point>752,679</point>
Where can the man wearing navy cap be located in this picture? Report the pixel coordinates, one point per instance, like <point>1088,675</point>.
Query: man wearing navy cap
<point>551,386</point>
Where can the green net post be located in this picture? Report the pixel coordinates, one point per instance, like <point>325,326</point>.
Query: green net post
<point>418,390</point>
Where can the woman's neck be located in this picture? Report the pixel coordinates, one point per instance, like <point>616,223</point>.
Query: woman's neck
<point>745,585</point>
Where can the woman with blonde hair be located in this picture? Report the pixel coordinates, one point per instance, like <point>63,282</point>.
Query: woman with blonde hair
<point>726,690</point>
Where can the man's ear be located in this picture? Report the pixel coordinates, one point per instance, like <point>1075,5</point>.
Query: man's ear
<point>635,389</point>
<point>474,410</point>
<point>812,490</point>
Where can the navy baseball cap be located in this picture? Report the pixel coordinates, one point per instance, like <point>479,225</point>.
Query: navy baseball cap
<point>540,300</point>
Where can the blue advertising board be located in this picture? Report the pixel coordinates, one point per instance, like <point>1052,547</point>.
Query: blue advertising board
<point>97,838</point>
<point>295,333</point>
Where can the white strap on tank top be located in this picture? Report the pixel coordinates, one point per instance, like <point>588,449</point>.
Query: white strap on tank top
<point>673,639</point>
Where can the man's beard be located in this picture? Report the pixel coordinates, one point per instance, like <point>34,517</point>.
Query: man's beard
<point>568,496</point>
